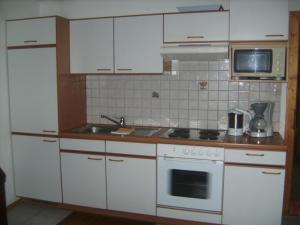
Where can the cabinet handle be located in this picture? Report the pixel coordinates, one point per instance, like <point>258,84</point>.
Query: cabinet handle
<point>45,140</point>
<point>49,131</point>
<point>124,69</point>
<point>274,35</point>
<point>30,41</point>
<point>90,158</point>
<point>190,37</point>
<point>251,154</point>
<point>104,69</point>
<point>116,160</point>
<point>271,173</point>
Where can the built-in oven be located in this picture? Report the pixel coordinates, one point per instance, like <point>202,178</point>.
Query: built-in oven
<point>190,177</point>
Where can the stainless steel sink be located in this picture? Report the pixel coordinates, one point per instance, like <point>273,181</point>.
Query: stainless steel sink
<point>91,129</point>
<point>146,132</point>
<point>102,129</point>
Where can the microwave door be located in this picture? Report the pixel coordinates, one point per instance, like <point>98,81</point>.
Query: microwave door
<point>253,61</point>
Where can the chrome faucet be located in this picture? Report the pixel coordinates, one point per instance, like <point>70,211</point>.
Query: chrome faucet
<point>121,123</point>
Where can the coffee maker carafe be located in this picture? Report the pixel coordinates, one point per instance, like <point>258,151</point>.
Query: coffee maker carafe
<point>261,123</point>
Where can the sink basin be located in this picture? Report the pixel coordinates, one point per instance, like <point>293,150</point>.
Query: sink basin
<point>145,131</point>
<point>95,129</point>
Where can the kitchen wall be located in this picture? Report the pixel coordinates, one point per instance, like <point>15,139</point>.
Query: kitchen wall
<point>178,101</point>
<point>9,9</point>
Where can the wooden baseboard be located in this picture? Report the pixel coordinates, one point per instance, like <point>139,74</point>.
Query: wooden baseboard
<point>14,204</point>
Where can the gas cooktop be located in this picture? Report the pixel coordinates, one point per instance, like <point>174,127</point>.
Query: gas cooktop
<point>194,134</point>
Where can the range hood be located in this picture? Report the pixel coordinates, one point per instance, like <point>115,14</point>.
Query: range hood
<point>194,52</point>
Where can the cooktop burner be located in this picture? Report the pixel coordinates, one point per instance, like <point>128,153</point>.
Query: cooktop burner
<point>194,134</point>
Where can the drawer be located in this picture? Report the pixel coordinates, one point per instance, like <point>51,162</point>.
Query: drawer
<point>82,145</point>
<point>131,148</point>
<point>255,157</point>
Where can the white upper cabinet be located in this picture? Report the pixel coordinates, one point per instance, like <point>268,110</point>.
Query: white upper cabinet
<point>91,46</point>
<point>259,20</point>
<point>33,90</point>
<point>196,27</point>
<point>31,32</point>
<point>137,44</point>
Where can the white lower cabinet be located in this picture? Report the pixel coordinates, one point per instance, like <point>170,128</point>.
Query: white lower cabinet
<point>37,167</point>
<point>253,195</point>
<point>131,184</point>
<point>83,179</point>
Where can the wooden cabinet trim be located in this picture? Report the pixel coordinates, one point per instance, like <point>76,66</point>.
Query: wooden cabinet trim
<point>130,156</point>
<point>31,18</point>
<point>35,135</point>
<point>32,46</point>
<point>254,165</point>
<point>82,152</point>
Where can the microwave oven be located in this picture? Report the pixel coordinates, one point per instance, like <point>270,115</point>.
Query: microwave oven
<point>258,62</point>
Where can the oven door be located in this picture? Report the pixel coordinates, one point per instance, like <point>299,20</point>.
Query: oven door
<point>190,184</point>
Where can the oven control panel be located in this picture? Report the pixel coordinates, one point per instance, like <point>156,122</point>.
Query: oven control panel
<point>191,152</point>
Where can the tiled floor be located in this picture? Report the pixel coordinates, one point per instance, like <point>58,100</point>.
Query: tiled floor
<point>29,214</point>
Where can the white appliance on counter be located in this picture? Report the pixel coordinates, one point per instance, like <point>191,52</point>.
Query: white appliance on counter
<point>190,182</point>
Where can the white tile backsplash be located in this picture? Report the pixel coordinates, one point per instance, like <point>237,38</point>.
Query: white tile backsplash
<point>181,101</point>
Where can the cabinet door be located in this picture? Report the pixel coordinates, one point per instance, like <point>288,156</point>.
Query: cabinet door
<point>83,180</point>
<point>195,27</point>
<point>33,90</point>
<point>91,46</point>
<point>259,20</point>
<point>137,44</point>
<point>253,196</point>
<point>31,31</point>
<point>37,167</point>
<point>131,185</point>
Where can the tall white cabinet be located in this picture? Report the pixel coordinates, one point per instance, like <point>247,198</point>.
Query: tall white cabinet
<point>32,72</point>
<point>33,90</point>
<point>37,167</point>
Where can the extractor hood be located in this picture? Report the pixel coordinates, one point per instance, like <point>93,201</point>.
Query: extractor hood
<point>194,52</point>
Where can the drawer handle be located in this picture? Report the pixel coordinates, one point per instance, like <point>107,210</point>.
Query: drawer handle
<point>274,35</point>
<point>49,131</point>
<point>251,154</point>
<point>124,69</point>
<point>90,158</point>
<point>104,69</point>
<point>191,37</point>
<point>30,41</point>
<point>45,140</point>
<point>116,160</point>
<point>271,173</point>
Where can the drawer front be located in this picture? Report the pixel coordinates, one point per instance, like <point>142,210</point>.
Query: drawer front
<point>255,157</point>
<point>131,148</point>
<point>82,145</point>
<point>31,32</point>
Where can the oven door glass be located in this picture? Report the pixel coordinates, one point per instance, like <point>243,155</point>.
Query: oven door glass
<point>253,60</point>
<point>190,183</point>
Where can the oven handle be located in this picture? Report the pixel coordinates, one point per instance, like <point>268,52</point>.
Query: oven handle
<point>206,161</point>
